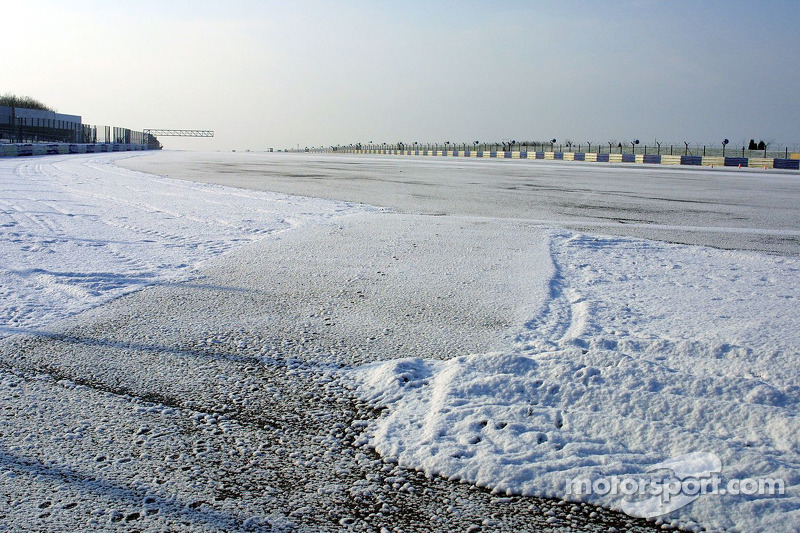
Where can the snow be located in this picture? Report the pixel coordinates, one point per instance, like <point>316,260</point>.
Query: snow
<point>513,353</point>
<point>646,351</point>
<point>77,232</point>
<point>727,208</point>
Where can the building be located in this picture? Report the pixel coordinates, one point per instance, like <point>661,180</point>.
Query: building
<point>34,125</point>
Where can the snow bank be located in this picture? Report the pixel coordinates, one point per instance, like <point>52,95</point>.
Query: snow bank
<point>646,351</point>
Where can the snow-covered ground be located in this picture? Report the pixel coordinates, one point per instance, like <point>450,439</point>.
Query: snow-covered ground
<point>737,209</point>
<point>645,351</point>
<point>505,351</point>
<point>77,232</point>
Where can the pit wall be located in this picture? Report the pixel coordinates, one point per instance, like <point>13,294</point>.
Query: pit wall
<point>754,162</point>
<point>15,150</point>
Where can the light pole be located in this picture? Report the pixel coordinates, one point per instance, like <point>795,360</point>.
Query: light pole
<point>633,145</point>
<point>724,144</point>
<point>552,144</point>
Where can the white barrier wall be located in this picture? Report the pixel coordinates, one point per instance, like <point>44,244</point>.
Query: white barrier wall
<point>16,150</point>
<point>791,163</point>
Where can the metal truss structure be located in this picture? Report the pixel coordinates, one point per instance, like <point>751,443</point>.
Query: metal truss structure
<point>180,133</point>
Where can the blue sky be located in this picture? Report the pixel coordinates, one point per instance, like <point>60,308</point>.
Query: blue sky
<point>278,74</point>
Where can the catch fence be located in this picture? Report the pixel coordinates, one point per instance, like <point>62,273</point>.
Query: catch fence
<point>20,126</point>
<point>786,161</point>
<point>766,151</point>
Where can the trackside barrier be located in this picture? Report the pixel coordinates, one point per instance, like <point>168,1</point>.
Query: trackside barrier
<point>789,164</point>
<point>760,162</point>
<point>713,161</point>
<point>736,161</point>
<point>30,149</point>
<point>792,163</point>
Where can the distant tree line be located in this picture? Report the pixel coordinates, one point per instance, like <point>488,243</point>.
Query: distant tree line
<point>24,102</point>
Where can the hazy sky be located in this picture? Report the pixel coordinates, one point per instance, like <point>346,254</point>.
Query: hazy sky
<point>278,74</point>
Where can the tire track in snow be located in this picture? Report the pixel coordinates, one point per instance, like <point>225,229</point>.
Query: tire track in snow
<point>623,368</point>
<point>566,316</point>
<point>244,438</point>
